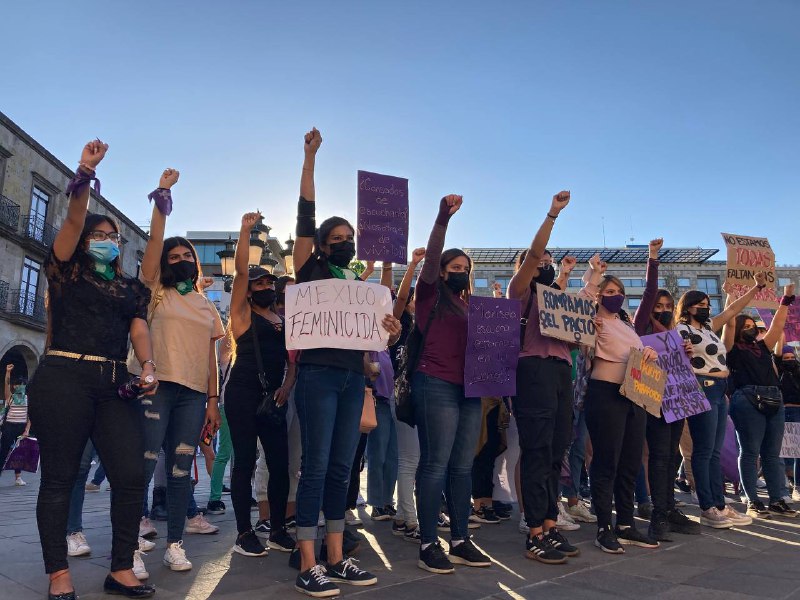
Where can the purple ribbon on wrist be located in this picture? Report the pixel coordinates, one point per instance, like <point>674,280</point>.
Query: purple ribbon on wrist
<point>163,199</point>
<point>80,179</point>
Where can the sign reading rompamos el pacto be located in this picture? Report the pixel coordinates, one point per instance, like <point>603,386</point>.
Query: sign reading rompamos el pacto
<point>746,257</point>
<point>336,313</point>
<point>566,316</point>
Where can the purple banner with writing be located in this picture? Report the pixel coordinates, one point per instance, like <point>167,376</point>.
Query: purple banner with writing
<point>683,396</point>
<point>382,218</point>
<point>490,366</point>
<point>792,327</point>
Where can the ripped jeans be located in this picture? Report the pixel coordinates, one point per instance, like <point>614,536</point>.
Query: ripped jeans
<point>172,419</point>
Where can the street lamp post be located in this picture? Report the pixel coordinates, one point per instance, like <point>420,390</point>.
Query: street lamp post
<point>226,261</point>
<point>288,259</point>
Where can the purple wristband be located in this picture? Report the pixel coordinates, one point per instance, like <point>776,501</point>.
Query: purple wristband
<point>80,179</point>
<point>787,300</point>
<point>163,199</point>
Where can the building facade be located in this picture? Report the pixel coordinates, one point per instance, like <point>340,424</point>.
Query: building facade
<point>32,207</point>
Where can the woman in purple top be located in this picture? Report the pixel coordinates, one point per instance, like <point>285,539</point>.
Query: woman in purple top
<point>448,423</point>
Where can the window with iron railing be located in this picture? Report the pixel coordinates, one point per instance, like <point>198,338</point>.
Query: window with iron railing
<point>36,229</point>
<point>9,213</point>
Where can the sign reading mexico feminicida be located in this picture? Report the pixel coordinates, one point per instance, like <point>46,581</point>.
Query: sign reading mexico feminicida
<point>336,313</point>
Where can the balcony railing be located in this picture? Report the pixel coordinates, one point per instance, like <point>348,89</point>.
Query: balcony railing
<point>3,294</point>
<point>9,213</point>
<point>35,228</point>
<point>26,305</point>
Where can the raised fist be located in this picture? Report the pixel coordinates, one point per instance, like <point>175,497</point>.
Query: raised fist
<point>453,201</point>
<point>249,220</point>
<point>560,201</point>
<point>655,247</point>
<point>9,368</point>
<point>169,178</point>
<point>568,264</point>
<point>93,153</point>
<point>417,256</point>
<point>313,140</point>
<point>761,278</point>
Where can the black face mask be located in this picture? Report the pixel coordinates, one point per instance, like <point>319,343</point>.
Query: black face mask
<point>665,318</point>
<point>547,275</point>
<point>791,365</point>
<point>264,298</point>
<point>702,315</point>
<point>457,282</point>
<point>341,253</point>
<point>749,335</point>
<point>280,297</point>
<point>183,270</point>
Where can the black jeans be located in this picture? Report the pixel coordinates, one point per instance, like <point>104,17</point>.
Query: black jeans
<point>617,430</point>
<point>483,465</point>
<point>70,402</point>
<point>10,433</point>
<point>543,409</point>
<point>242,399</point>
<point>355,473</point>
<point>662,443</point>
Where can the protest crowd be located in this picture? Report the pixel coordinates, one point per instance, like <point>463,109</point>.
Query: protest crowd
<point>596,416</point>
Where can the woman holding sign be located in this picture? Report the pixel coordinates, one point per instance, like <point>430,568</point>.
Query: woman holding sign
<point>757,407</point>
<point>329,397</point>
<point>694,322</point>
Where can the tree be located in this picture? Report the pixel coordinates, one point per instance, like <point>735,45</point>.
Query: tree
<point>671,283</point>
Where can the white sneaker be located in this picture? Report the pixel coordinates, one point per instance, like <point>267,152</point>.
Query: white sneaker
<point>77,545</point>
<point>198,524</point>
<point>139,570</point>
<point>729,500</point>
<point>146,545</point>
<point>321,520</point>
<point>761,484</point>
<point>351,518</point>
<point>523,526</point>
<point>146,528</point>
<point>736,517</point>
<point>694,497</point>
<point>92,487</point>
<point>796,494</point>
<point>580,512</point>
<point>19,482</point>
<point>360,501</point>
<point>564,521</point>
<point>714,518</point>
<point>175,557</point>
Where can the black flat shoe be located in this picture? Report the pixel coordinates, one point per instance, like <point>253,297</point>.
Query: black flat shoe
<point>112,586</point>
<point>65,596</point>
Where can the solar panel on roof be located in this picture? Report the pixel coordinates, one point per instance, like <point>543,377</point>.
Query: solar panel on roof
<point>610,255</point>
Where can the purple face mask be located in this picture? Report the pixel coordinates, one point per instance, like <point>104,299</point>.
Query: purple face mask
<point>613,304</point>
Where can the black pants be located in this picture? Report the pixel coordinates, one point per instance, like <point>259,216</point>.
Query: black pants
<point>355,473</point>
<point>483,465</point>
<point>543,409</point>
<point>617,430</point>
<point>242,399</point>
<point>10,433</point>
<point>69,403</point>
<point>662,443</point>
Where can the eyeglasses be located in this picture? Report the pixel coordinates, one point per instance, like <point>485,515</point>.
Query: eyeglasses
<point>102,236</point>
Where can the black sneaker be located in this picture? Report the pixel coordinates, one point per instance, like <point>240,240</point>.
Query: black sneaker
<point>248,544</point>
<point>443,523</point>
<point>380,514</point>
<point>295,559</point>
<point>346,571</point>
<point>413,535</point>
<point>631,536</point>
<point>466,553</point>
<point>391,510</point>
<point>644,510</point>
<point>503,513</point>
<point>683,486</point>
<point>484,514</point>
<point>781,509</point>
<point>434,559</point>
<point>226,489</point>
<point>757,510</point>
<point>263,528</point>
<point>398,528</point>
<point>291,523</point>
<point>607,541</point>
<point>560,543</point>
<point>659,528</point>
<point>216,507</point>
<point>538,548</point>
<point>680,523</point>
<point>281,541</point>
<point>315,583</point>
<point>253,505</point>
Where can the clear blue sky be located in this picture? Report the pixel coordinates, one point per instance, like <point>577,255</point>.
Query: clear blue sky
<point>673,119</point>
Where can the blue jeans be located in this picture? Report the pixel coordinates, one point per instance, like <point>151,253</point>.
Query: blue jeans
<point>641,487</point>
<point>708,436</point>
<point>448,426</point>
<point>793,416</point>
<point>577,455</point>
<point>382,457</point>
<point>173,419</point>
<point>758,434</point>
<point>75,518</point>
<point>329,402</point>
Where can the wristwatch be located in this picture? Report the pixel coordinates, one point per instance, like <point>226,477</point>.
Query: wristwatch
<point>151,361</point>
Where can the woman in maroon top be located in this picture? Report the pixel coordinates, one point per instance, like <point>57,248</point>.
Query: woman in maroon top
<point>448,423</point>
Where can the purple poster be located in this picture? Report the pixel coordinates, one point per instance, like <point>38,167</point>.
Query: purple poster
<point>382,218</point>
<point>792,327</point>
<point>682,396</point>
<point>490,366</point>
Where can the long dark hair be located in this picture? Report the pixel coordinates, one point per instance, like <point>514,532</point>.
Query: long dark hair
<point>446,301</point>
<point>687,301</point>
<point>623,314</point>
<point>324,231</point>
<point>167,276</point>
<point>81,258</point>
<point>740,321</point>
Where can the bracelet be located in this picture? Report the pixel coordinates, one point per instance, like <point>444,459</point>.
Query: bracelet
<point>215,396</point>
<point>761,287</point>
<point>163,199</point>
<point>787,300</point>
<point>552,217</point>
<point>149,360</point>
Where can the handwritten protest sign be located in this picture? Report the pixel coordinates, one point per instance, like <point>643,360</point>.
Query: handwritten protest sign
<point>644,383</point>
<point>382,217</point>
<point>790,448</point>
<point>683,396</point>
<point>566,316</point>
<point>336,313</point>
<point>747,256</point>
<point>490,366</point>
<point>792,327</point>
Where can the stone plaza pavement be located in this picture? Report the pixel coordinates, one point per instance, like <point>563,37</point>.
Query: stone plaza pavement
<point>759,561</point>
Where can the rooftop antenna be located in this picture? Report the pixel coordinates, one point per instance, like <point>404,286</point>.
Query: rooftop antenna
<point>631,223</point>
<point>603,220</point>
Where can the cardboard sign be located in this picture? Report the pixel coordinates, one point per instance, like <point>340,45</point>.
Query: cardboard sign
<point>790,448</point>
<point>792,327</point>
<point>644,383</point>
<point>382,218</point>
<point>683,396</point>
<point>490,365</point>
<point>336,313</point>
<point>566,316</point>
<point>747,256</point>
